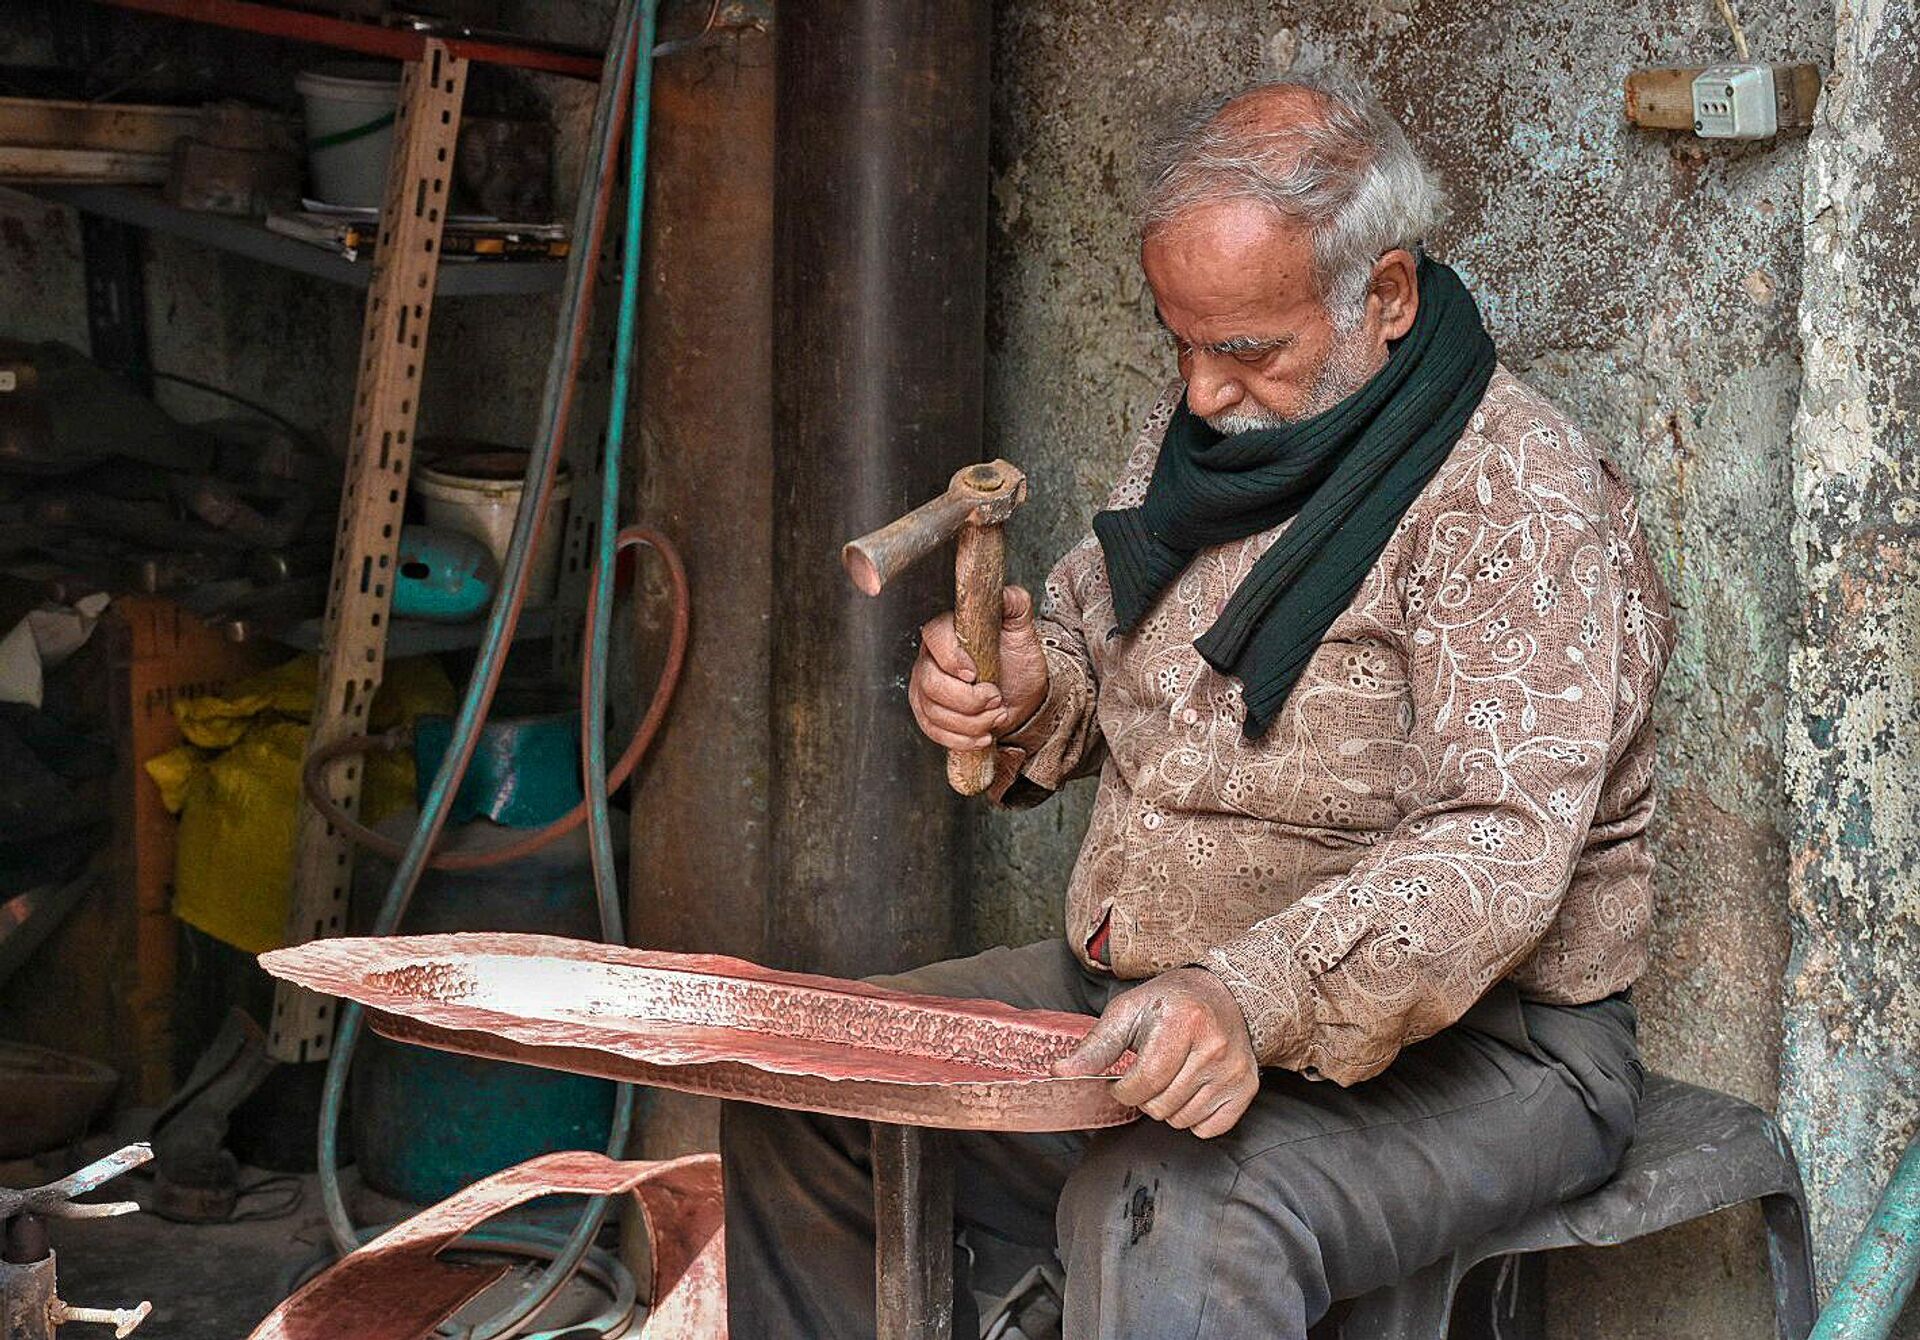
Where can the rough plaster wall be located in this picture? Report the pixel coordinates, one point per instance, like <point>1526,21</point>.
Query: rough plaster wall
<point>1851,1091</point>
<point>1589,245</point>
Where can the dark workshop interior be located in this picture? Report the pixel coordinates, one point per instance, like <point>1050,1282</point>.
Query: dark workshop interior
<point>470,715</point>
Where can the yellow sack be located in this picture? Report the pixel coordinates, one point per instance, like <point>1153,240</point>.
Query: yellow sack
<point>236,788</point>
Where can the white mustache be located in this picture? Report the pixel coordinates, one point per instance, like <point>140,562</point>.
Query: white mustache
<point>1230,423</point>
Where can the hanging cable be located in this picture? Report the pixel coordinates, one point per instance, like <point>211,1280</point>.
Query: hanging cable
<point>1733,26</point>
<point>628,68</point>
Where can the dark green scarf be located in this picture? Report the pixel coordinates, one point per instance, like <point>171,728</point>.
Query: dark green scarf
<point>1345,477</point>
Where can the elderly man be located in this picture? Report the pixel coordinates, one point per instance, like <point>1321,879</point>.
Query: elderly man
<point>1363,649</point>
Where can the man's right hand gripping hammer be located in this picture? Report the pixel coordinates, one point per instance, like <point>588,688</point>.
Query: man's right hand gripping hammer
<point>981,673</point>
<point>954,708</point>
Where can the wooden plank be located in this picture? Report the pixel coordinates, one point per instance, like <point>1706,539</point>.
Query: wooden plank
<point>1663,99</point>
<point>913,1233</point>
<point>161,654</point>
<point>379,458</point>
<point>37,163</point>
<point>131,128</point>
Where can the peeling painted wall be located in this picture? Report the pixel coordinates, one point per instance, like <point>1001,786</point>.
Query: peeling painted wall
<point>1851,1086</point>
<point>1649,281</point>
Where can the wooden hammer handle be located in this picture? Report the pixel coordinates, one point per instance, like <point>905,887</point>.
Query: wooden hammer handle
<point>979,599</point>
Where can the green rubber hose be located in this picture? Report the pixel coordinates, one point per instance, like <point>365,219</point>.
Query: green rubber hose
<point>629,66</point>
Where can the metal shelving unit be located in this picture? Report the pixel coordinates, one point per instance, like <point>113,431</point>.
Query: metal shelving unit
<point>418,637</point>
<point>401,280</point>
<point>143,207</point>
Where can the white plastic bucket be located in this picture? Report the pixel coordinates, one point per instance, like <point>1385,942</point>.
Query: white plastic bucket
<point>477,493</point>
<point>350,110</point>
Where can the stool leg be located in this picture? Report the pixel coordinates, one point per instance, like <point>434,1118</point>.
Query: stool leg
<point>1502,1298</point>
<point>1417,1308</point>
<point>1790,1258</point>
<point>913,1233</point>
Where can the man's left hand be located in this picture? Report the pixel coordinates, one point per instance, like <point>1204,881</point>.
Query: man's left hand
<point>1193,1059</point>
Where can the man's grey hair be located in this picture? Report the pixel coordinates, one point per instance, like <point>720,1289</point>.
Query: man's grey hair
<point>1350,175</point>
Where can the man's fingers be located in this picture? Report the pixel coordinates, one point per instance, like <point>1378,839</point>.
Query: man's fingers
<point>1197,1074</point>
<point>939,641</point>
<point>1099,1049</point>
<point>1228,1114</point>
<point>1161,1056</point>
<point>1203,1104</point>
<point>972,732</point>
<point>957,695</point>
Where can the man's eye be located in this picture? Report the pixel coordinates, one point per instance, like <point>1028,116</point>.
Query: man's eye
<point>1254,357</point>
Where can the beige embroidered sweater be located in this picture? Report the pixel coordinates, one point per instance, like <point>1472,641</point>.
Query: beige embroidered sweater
<point>1457,791</point>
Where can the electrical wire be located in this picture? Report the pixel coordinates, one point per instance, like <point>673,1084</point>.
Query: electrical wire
<point>629,69</point>
<point>1733,26</point>
<point>305,438</point>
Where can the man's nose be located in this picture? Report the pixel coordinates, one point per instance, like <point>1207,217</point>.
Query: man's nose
<point>1209,391</point>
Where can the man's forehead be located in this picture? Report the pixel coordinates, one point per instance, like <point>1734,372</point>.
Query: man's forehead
<point>1230,244</point>
<point>1229,271</point>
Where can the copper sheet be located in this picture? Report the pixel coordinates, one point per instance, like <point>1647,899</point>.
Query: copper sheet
<point>396,1288</point>
<point>716,1026</point>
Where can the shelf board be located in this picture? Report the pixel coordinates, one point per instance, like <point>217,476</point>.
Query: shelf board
<point>418,637</point>
<point>145,208</point>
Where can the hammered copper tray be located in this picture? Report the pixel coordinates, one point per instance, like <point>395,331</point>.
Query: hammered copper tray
<point>716,1026</point>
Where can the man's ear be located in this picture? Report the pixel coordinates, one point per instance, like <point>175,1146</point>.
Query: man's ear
<point>1393,293</point>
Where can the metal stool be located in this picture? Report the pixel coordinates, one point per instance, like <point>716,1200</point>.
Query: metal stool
<point>1696,1152</point>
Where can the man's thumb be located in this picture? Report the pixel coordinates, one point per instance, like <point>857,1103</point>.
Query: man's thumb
<point>1016,610</point>
<point>1100,1048</point>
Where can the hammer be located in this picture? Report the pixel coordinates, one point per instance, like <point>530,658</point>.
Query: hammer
<point>976,504</point>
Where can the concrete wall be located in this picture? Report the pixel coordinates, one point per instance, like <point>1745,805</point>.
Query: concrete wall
<point>1851,1086</point>
<point>1651,282</point>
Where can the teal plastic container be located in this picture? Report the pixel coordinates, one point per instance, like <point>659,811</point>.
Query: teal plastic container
<point>426,1123</point>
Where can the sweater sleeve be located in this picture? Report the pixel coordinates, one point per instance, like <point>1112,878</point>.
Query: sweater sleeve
<point>1062,739</point>
<point>1512,632</point>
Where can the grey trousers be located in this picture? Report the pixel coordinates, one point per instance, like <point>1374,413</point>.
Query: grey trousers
<point>1319,1192</point>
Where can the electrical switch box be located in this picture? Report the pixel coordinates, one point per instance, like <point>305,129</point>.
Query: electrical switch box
<point>1735,102</point>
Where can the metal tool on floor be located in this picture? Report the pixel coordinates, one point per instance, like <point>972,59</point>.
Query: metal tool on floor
<point>30,1306</point>
<point>975,507</point>
<point>197,1178</point>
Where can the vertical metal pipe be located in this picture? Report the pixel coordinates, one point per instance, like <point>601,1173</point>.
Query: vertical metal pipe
<point>701,839</point>
<point>879,333</point>
<point>705,477</point>
<point>1885,1264</point>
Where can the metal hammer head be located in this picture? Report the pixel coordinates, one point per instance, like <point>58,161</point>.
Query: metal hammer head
<point>979,495</point>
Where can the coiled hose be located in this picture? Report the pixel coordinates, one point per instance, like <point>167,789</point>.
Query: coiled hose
<point>628,69</point>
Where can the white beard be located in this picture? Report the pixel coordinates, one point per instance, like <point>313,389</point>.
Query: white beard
<point>1348,367</point>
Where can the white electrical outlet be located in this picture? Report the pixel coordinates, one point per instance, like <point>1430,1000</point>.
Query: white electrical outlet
<point>1735,102</point>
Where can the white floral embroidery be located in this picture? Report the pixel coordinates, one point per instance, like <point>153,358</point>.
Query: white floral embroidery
<point>1404,833</point>
<point>1485,713</point>
<point>1487,834</point>
<point>1560,802</point>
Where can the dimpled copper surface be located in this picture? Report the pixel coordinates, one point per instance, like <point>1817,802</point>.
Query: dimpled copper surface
<point>718,1026</point>
<point>397,1288</point>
